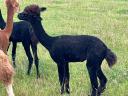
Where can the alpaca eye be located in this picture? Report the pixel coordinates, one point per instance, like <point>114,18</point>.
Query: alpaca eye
<point>25,14</point>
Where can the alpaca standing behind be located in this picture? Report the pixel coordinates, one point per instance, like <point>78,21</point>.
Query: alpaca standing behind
<point>68,48</point>
<point>6,70</point>
<point>23,33</point>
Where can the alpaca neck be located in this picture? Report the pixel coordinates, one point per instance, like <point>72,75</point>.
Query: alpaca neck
<point>9,24</point>
<point>42,36</point>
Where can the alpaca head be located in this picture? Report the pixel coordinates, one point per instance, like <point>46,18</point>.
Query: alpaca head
<point>31,12</point>
<point>12,3</point>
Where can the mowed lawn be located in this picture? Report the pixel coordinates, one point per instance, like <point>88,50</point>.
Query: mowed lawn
<point>106,19</point>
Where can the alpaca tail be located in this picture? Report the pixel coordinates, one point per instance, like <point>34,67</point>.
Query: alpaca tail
<point>111,58</point>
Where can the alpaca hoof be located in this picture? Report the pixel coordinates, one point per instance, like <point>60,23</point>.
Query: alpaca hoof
<point>28,73</point>
<point>62,91</point>
<point>14,65</point>
<point>68,91</point>
<point>94,93</point>
<point>38,77</point>
<point>101,90</point>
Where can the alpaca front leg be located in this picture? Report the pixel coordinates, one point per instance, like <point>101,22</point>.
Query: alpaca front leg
<point>61,77</point>
<point>9,90</point>
<point>67,78</point>
<point>63,72</point>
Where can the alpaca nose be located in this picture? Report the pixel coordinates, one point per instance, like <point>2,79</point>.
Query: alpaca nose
<point>20,15</point>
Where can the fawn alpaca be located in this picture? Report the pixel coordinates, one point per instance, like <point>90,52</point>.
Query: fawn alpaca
<point>67,48</point>
<point>6,69</point>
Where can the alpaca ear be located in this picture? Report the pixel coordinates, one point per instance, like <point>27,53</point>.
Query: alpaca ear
<point>43,9</point>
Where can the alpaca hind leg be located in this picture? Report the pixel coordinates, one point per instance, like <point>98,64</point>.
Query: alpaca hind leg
<point>103,81</point>
<point>92,70</point>
<point>14,53</point>
<point>28,53</point>
<point>36,60</point>
<point>8,45</point>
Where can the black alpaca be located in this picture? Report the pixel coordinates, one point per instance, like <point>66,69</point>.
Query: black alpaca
<point>23,32</point>
<point>67,48</point>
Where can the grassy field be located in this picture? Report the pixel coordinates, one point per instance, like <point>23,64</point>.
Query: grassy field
<point>106,19</point>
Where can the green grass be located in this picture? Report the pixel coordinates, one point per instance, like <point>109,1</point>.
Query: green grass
<point>106,19</point>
